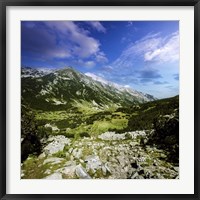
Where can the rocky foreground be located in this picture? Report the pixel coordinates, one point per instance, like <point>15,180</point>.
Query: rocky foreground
<point>107,156</point>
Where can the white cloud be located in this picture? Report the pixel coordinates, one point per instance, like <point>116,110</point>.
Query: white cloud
<point>77,40</point>
<point>150,36</point>
<point>97,25</point>
<point>101,57</point>
<point>168,52</point>
<point>151,48</point>
<point>107,68</point>
<point>127,86</point>
<point>60,53</point>
<point>88,64</point>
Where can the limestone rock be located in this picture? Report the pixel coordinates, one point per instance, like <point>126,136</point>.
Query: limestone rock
<point>68,171</point>
<point>42,155</point>
<point>81,173</point>
<point>53,160</point>
<point>93,163</point>
<point>57,143</point>
<point>54,176</point>
<point>77,153</point>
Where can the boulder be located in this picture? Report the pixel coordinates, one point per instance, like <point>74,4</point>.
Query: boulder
<point>53,160</point>
<point>57,143</point>
<point>93,163</point>
<point>54,176</point>
<point>68,171</point>
<point>77,153</point>
<point>81,172</point>
<point>135,175</point>
<point>42,155</point>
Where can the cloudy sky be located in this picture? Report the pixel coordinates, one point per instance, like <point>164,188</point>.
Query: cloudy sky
<point>143,55</point>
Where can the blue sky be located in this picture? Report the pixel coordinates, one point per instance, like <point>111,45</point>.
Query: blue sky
<point>143,55</point>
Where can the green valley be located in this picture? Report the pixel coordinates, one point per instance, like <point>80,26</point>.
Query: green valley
<point>76,127</point>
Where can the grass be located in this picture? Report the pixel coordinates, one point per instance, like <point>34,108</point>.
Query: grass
<point>86,152</point>
<point>60,154</point>
<point>34,168</point>
<point>89,108</point>
<point>86,107</point>
<point>93,123</point>
<point>102,126</point>
<point>52,115</point>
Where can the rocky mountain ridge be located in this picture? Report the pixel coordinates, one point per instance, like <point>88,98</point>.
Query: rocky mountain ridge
<point>67,88</point>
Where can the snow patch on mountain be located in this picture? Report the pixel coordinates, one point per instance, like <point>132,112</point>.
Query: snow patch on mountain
<point>120,88</point>
<point>104,81</point>
<point>96,78</point>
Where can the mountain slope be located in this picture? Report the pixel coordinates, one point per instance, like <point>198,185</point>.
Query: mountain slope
<point>67,88</point>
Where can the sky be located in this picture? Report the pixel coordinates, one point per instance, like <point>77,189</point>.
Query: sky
<point>143,55</point>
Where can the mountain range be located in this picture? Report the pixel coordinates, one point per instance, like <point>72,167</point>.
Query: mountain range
<point>58,89</point>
